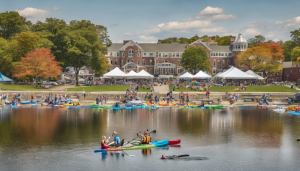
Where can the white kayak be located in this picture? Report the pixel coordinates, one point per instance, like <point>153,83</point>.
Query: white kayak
<point>279,109</point>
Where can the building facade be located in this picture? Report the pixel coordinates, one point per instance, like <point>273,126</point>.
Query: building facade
<point>164,59</point>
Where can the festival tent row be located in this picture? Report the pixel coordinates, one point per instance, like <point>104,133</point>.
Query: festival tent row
<point>199,75</point>
<point>235,73</point>
<point>117,73</point>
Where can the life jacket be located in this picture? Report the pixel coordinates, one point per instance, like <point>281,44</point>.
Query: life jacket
<point>146,139</point>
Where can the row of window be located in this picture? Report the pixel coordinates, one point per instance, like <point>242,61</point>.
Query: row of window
<point>220,54</point>
<point>144,62</point>
<point>239,47</point>
<point>223,62</point>
<point>131,54</point>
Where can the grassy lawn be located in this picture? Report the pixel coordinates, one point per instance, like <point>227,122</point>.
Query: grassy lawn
<point>104,88</point>
<point>270,88</point>
<point>23,87</point>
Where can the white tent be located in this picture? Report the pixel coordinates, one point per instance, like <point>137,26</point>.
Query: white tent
<point>252,73</point>
<point>115,73</point>
<point>234,73</point>
<point>144,74</point>
<point>186,75</point>
<point>131,74</point>
<point>201,75</point>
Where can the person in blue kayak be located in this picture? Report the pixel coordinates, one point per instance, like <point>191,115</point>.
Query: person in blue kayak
<point>146,139</point>
<point>117,140</point>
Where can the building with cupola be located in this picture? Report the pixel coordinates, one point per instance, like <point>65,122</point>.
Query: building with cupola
<point>164,59</point>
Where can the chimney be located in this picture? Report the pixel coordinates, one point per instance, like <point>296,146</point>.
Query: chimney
<point>158,41</point>
<point>125,41</point>
<point>231,40</point>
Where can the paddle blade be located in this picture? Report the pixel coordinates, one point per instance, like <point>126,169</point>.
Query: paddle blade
<point>154,131</point>
<point>298,139</point>
<point>184,155</point>
<point>97,151</point>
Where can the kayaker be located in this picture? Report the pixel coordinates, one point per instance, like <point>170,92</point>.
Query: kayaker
<point>146,139</point>
<point>104,143</point>
<point>97,100</point>
<point>117,140</point>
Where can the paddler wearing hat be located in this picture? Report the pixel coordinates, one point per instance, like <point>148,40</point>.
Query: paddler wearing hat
<point>117,140</point>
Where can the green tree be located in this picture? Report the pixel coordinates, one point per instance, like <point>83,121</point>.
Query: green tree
<point>296,36</point>
<point>6,60</point>
<point>183,40</point>
<point>11,24</point>
<point>295,53</point>
<point>223,40</point>
<point>195,58</point>
<point>256,40</point>
<point>288,46</point>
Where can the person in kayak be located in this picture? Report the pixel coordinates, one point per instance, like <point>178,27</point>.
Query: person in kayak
<point>117,140</point>
<point>146,139</point>
<point>104,142</point>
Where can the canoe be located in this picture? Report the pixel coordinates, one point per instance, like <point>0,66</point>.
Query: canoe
<point>25,102</point>
<point>164,104</point>
<point>172,142</point>
<point>213,106</point>
<point>279,110</point>
<point>295,113</point>
<point>94,106</point>
<point>33,101</point>
<point>72,107</point>
<point>128,107</point>
<point>69,104</point>
<point>86,106</point>
<point>68,100</point>
<point>155,144</point>
<point>191,104</point>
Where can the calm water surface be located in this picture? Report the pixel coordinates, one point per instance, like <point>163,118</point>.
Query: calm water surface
<point>232,139</point>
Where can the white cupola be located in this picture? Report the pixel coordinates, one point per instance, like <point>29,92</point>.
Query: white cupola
<point>240,44</point>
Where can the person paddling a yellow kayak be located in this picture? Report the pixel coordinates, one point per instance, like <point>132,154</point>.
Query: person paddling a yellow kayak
<point>146,139</point>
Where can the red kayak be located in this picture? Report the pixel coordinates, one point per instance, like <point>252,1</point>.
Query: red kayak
<point>172,142</point>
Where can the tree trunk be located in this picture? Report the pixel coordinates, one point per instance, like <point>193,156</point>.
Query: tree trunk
<point>36,82</point>
<point>76,77</point>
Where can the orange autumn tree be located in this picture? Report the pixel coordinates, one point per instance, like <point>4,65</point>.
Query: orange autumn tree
<point>263,57</point>
<point>39,63</point>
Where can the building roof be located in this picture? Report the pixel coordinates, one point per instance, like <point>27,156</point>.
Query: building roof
<point>240,39</point>
<point>152,47</point>
<point>220,49</point>
<point>287,64</point>
<point>115,47</point>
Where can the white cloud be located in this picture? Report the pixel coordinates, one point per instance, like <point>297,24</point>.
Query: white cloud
<point>210,11</point>
<point>214,14</point>
<point>223,17</point>
<point>34,14</point>
<point>212,30</point>
<point>251,32</point>
<point>55,8</point>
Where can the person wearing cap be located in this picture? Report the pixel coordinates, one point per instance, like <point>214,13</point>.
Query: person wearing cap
<point>146,139</point>
<point>117,140</point>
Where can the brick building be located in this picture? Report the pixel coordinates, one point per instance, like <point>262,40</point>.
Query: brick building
<point>164,59</point>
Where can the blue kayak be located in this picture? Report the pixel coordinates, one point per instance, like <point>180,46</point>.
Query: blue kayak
<point>117,108</point>
<point>86,106</point>
<point>25,102</point>
<point>128,107</point>
<point>33,101</point>
<point>294,113</point>
<point>73,107</point>
<point>68,100</point>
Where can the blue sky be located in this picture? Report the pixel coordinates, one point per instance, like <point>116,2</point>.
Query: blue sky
<point>147,21</point>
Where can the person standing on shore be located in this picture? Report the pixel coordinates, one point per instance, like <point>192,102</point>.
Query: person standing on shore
<point>83,92</point>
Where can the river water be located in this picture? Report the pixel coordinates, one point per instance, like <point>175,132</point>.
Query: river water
<point>232,139</point>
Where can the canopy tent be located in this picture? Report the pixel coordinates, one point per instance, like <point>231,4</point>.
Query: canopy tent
<point>252,73</point>
<point>116,73</point>
<point>144,74</point>
<point>234,73</point>
<point>186,75</point>
<point>131,74</point>
<point>201,75</point>
<point>4,78</point>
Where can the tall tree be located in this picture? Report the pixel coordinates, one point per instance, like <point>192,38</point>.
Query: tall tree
<point>256,40</point>
<point>295,54</point>
<point>263,57</point>
<point>288,47</point>
<point>195,58</point>
<point>11,24</point>
<point>40,63</point>
<point>223,40</point>
<point>6,61</point>
<point>295,35</point>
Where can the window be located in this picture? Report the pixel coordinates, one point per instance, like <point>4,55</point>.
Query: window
<point>214,62</point>
<point>144,61</point>
<point>111,62</point>
<point>138,54</point>
<point>118,54</point>
<point>132,60</point>
<point>223,62</point>
<point>167,61</point>
<point>228,63</point>
<point>236,46</point>
<point>122,62</point>
<point>156,54</point>
<point>116,62</point>
<point>138,63</point>
<point>239,46</point>
<point>214,71</point>
<point>229,54</point>
<point>159,54</point>
<point>216,54</point>
<point>233,61</point>
<point>244,46</point>
<point>220,54</point>
<point>151,63</point>
<point>173,54</point>
<point>156,62</point>
<point>173,61</point>
<point>127,60</point>
<point>219,62</point>
<point>144,54</point>
<point>110,53</point>
<point>211,54</point>
<point>123,54</point>
<point>150,54</point>
<point>170,55</point>
<point>130,53</point>
<point>177,54</point>
<point>225,54</point>
<point>163,61</point>
<point>178,63</point>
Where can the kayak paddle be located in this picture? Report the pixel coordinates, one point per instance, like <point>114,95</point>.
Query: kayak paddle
<point>298,139</point>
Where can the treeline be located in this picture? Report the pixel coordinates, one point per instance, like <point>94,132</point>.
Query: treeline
<point>182,40</point>
<point>77,44</point>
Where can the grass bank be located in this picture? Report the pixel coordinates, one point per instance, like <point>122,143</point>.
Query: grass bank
<point>105,88</point>
<point>23,87</point>
<point>270,88</point>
